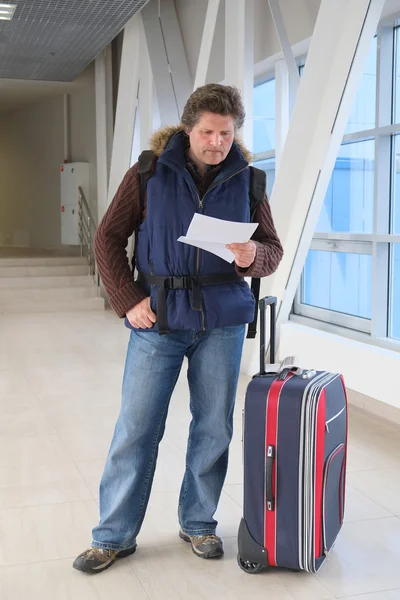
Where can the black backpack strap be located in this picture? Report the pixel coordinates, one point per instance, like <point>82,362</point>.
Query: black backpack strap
<point>146,162</point>
<point>258,184</point>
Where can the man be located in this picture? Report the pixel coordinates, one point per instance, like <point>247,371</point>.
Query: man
<point>186,303</point>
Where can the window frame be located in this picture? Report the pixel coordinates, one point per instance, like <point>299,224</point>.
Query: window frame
<point>380,242</point>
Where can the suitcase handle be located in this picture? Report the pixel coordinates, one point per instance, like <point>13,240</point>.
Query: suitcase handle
<point>269,464</point>
<point>264,302</point>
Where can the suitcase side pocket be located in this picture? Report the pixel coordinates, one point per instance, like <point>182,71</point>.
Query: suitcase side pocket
<point>333,497</point>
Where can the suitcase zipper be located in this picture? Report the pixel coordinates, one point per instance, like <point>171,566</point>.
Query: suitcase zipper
<point>333,418</point>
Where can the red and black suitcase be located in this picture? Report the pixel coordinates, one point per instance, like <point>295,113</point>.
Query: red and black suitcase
<point>294,452</point>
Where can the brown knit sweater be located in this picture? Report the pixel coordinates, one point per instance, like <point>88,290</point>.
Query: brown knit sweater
<point>119,223</point>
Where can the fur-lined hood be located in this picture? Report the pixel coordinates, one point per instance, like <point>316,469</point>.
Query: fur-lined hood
<point>160,138</point>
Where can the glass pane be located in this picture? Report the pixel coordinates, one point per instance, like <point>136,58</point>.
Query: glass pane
<point>363,114</point>
<point>394,327</point>
<point>349,201</point>
<point>269,167</point>
<point>338,281</point>
<point>395,218</point>
<point>264,117</point>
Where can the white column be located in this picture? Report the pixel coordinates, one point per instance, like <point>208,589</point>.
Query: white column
<point>145,93</point>
<point>335,62</point>
<point>206,43</point>
<point>126,106</point>
<point>282,108</point>
<point>172,78</point>
<point>239,56</point>
<point>103,127</point>
<point>293,73</point>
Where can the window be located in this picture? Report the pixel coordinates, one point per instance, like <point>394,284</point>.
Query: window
<point>363,114</point>
<point>264,130</point>
<point>352,273</point>
<point>395,213</point>
<point>340,282</point>
<point>349,202</point>
<point>264,117</point>
<point>394,331</point>
<point>268,166</point>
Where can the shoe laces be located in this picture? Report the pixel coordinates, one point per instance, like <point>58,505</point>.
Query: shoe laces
<point>100,553</point>
<point>210,538</point>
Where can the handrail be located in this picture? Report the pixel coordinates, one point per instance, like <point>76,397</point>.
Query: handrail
<point>87,231</point>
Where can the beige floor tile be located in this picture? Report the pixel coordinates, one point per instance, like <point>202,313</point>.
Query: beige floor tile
<point>68,379</point>
<point>87,445</point>
<point>235,468</point>
<point>382,486</point>
<point>57,580</point>
<point>17,404</point>
<point>388,595</point>
<point>365,559</point>
<point>86,398</point>
<point>174,573</point>
<point>27,423</point>
<point>359,507</point>
<point>41,533</point>
<point>31,485</point>
<point>363,457</point>
<point>161,526</point>
<point>13,382</point>
<point>65,417</point>
<point>32,450</point>
<point>91,471</point>
<point>235,492</point>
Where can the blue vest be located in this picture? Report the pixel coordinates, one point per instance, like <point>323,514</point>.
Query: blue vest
<point>172,200</point>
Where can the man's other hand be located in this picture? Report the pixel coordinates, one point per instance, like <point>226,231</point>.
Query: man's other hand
<point>141,316</point>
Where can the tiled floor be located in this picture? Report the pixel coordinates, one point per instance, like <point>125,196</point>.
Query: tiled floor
<point>60,377</point>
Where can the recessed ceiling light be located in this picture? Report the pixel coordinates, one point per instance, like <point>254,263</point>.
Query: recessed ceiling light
<point>7,11</point>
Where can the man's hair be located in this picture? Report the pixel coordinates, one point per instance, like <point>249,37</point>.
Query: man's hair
<point>214,98</point>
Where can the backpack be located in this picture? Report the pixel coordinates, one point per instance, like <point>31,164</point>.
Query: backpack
<point>258,180</point>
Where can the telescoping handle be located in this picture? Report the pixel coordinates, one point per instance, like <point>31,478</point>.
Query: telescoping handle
<point>264,302</point>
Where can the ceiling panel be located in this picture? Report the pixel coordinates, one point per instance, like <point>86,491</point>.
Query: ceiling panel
<point>54,40</point>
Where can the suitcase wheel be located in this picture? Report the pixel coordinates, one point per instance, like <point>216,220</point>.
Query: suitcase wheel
<point>250,567</point>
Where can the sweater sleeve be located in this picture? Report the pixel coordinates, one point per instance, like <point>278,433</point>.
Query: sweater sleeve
<point>111,240</point>
<point>269,250</point>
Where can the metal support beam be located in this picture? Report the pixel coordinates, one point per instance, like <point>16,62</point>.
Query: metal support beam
<point>282,108</point>
<point>335,62</point>
<point>104,126</point>
<point>172,78</point>
<point>126,106</point>
<point>239,57</point>
<point>145,93</point>
<point>206,43</point>
<point>279,23</point>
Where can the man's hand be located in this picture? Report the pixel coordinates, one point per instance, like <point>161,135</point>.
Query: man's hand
<point>244,253</point>
<point>141,316</point>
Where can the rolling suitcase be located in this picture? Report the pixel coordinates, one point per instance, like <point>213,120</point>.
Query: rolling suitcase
<point>294,452</point>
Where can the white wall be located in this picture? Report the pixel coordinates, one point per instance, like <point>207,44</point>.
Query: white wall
<point>31,152</point>
<point>367,369</point>
<point>82,107</point>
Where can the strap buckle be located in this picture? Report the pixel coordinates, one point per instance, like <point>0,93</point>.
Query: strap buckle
<point>179,283</point>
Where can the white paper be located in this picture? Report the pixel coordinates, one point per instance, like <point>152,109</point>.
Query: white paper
<point>214,247</point>
<point>213,235</point>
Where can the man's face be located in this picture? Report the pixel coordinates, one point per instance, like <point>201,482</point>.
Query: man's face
<point>211,138</point>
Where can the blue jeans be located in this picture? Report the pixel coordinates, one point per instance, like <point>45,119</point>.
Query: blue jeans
<point>152,368</point>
